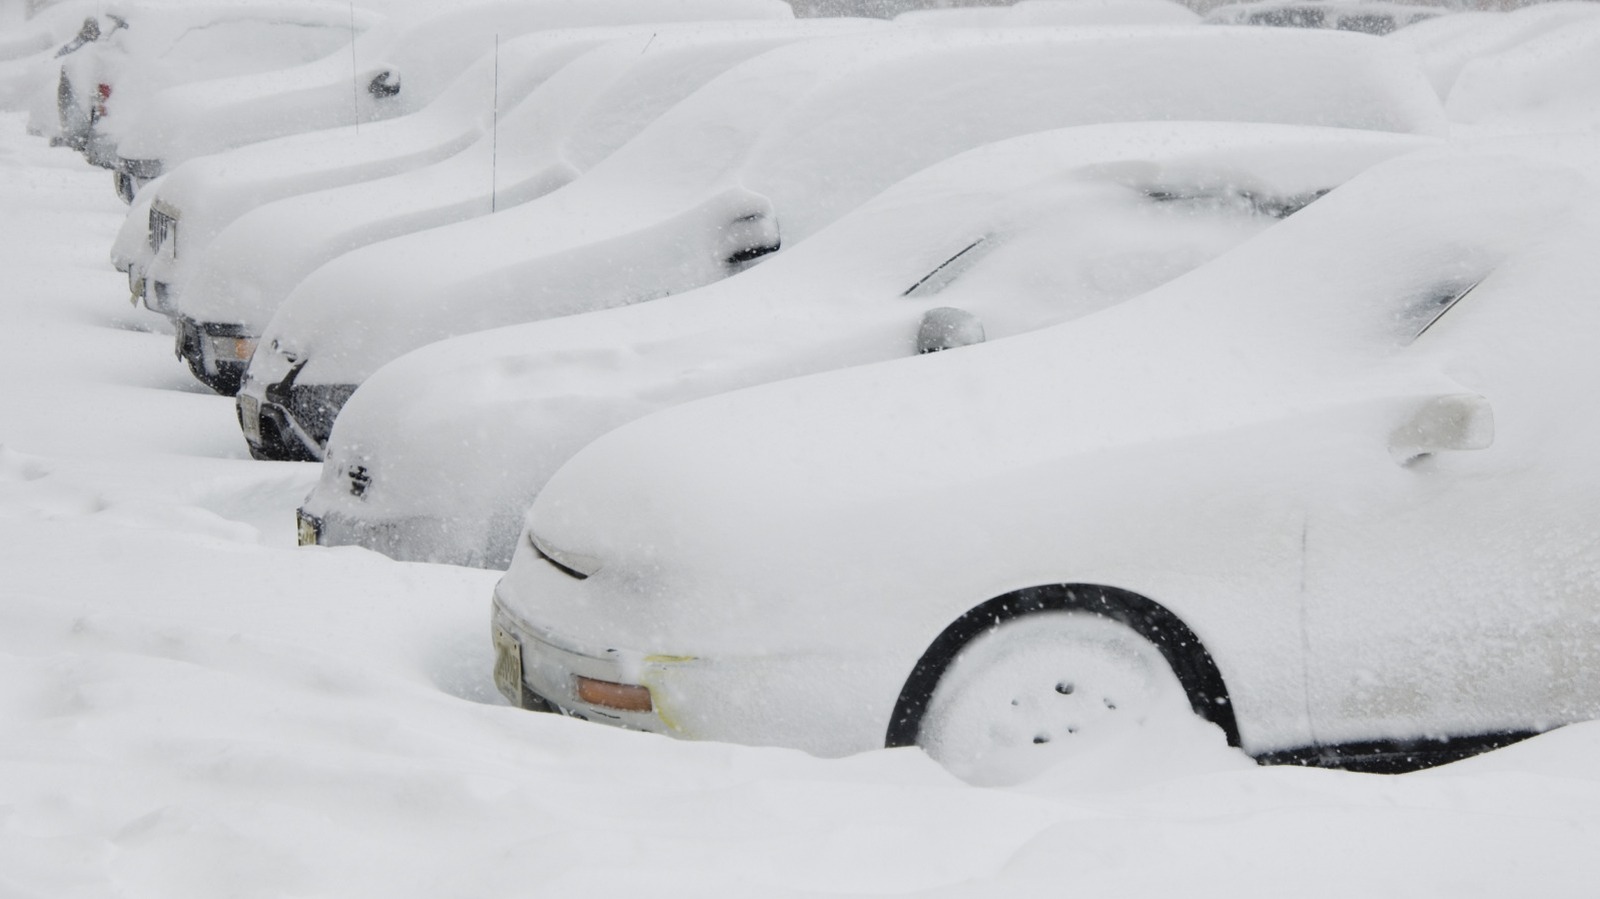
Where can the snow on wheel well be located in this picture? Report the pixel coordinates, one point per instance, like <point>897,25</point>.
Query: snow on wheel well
<point>1190,661</point>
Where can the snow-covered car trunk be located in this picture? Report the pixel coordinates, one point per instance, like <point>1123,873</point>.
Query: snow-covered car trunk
<point>439,454</point>
<point>393,70</point>
<point>1349,462</point>
<point>565,126</point>
<point>771,151</point>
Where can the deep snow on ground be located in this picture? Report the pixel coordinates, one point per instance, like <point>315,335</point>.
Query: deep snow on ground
<point>192,707</point>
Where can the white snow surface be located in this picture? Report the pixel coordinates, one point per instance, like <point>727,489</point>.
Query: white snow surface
<point>567,124</point>
<point>797,137</point>
<point>191,707</point>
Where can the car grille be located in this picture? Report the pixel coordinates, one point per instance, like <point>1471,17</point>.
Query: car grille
<point>163,229</point>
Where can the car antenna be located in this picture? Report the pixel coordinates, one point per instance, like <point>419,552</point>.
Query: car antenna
<point>494,128</point>
<point>355,87</point>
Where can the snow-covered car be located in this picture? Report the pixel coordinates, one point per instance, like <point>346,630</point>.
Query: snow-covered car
<point>394,69</point>
<point>438,456</point>
<point>227,289</point>
<point>28,58</point>
<point>121,60</point>
<point>1448,44</point>
<point>1547,82</point>
<point>1332,492</point>
<point>1055,12</point>
<point>766,154</point>
<point>1365,16</point>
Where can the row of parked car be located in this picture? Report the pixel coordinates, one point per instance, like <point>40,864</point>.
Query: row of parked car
<point>1260,411</point>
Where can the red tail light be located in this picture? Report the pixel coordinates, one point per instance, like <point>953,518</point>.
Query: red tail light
<point>104,90</point>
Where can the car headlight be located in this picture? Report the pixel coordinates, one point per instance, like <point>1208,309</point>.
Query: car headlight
<point>228,348</point>
<point>574,564</point>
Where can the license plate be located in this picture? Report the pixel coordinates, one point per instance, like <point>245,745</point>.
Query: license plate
<point>250,417</point>
<point>508,666</point>
<point>308,529</point>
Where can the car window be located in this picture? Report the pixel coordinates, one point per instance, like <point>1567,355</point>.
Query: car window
<point>1367,23</point>
<point>953,267</point>
<point>1422,311</point>
<point>1259,203</point>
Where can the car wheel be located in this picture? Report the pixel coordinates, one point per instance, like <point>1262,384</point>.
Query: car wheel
<point>1048,686</point>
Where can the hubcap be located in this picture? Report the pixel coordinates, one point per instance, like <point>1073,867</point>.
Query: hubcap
<point>1047,687</point>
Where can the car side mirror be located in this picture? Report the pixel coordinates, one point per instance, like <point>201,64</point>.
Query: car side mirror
<point>751,231</point>
<point>1461,421</point>
<point>946,328</point>
<point>384,84</point>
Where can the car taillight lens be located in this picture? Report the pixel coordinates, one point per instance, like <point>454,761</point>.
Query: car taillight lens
<point>104,92</point>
